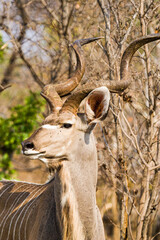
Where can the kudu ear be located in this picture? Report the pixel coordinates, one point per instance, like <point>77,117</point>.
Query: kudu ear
<point>96,105</point>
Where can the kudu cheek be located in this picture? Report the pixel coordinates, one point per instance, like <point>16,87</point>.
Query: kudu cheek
<point>54,150</point>
<point>63,149</point>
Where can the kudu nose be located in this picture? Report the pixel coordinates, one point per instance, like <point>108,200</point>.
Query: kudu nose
<point>26,145</point>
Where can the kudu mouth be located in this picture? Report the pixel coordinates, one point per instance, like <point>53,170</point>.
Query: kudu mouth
<point>29,150</point>
<point>33,153</point>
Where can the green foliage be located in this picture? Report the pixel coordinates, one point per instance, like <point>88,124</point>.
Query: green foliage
<point>1,50</point>
<point>15,129</point>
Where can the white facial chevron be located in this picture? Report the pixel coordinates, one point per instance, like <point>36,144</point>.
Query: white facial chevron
<point>48,126</point>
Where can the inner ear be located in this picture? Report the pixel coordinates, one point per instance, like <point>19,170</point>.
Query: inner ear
<point>96,104</point>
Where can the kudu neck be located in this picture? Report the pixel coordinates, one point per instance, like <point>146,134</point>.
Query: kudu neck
<point>75,186</point>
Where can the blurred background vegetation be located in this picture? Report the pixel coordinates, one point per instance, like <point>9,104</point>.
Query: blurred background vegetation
<point>14,129</point>
<point>34,50</point>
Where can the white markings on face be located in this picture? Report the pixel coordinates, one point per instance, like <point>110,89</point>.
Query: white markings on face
<point>33,154</point>
<point>30,152</point>
<point>43,159</point>
<point>48,126</point>
<point>37,156</point>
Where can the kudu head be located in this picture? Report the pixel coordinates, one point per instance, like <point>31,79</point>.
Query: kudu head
<point>66,132</point>
<point>65,129</point>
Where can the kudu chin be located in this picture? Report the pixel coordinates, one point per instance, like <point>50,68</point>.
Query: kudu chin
<point>65,207</point>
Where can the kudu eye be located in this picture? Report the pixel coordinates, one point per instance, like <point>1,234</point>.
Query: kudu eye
<point>67,125</point>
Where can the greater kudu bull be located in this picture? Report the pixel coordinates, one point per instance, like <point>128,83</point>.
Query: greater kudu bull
<point>65,207</point>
